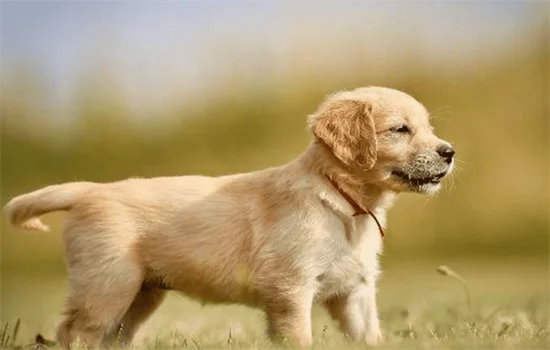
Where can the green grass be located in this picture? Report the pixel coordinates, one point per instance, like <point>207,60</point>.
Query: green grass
<point>419,308</point>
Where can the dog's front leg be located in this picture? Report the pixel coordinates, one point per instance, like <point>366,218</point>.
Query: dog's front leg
<point>289,318</point>
<point>357,313</point>
<point>373,334</point>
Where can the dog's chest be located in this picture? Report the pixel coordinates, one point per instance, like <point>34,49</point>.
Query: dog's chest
<point>356,258</point>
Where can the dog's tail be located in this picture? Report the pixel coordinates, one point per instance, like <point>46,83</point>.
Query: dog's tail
<point>23,211</point>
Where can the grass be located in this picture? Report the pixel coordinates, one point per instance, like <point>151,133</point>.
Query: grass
<point>419,309</point>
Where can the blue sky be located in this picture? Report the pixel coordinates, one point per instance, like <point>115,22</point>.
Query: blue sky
<point>159,48</point>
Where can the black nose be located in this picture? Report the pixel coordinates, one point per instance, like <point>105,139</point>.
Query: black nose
<point>446,152</point>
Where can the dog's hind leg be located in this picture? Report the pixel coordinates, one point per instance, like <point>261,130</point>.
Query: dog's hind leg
<point>98,301</point>
<point>145,303</point>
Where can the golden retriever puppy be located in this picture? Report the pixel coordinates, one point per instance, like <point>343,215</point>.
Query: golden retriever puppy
<point>278,239</point>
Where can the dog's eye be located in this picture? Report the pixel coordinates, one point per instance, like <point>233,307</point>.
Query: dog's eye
<point>401,129</point>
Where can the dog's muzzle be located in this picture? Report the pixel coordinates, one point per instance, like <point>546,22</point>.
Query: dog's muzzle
<point>419,181</point>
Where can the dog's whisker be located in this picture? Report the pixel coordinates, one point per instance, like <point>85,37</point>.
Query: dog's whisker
<point>434,114</point>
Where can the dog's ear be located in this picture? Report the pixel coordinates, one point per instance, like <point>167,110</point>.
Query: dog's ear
<point>347,128</point>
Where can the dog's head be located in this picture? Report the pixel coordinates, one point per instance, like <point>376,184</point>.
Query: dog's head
<point>384,135</point>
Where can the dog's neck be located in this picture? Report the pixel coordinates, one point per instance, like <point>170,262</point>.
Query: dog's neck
<point>321,160</point>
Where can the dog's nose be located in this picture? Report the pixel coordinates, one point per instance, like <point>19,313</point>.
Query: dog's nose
<point>446,152</point>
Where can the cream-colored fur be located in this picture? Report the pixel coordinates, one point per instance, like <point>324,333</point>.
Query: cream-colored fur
<point>279,239</point>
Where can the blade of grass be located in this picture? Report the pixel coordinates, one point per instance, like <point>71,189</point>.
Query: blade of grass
<point>15,331</point>
<point>446,271</point>
<point>4,332</point>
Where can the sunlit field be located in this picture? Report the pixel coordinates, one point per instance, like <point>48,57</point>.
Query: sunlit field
<point>162,100</point>
<point>419,308</point>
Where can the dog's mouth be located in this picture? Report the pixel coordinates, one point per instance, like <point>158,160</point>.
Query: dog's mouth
<point>419,181</point>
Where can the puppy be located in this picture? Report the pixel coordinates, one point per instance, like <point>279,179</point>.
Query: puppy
<point>278,239</point>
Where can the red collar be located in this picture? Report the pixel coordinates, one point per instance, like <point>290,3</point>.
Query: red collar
<point>358,209</point>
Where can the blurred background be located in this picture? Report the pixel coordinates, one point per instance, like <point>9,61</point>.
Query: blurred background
<point>104,91</point>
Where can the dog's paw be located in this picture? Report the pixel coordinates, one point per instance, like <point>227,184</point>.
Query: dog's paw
<point>374,337</point>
